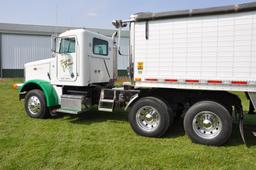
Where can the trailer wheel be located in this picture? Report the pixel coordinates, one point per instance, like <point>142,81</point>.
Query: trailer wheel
<point>209,123</point>
<point>149,117</point>
<point>35,104</point>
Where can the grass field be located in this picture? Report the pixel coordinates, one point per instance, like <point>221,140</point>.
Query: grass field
<point>99,140</point>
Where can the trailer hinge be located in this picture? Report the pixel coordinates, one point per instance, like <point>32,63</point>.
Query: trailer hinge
<point>146,30</point>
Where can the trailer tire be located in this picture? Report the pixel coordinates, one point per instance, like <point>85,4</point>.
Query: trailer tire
<point>35,104</point>
<point>208,123</point>
<point>144,122</point>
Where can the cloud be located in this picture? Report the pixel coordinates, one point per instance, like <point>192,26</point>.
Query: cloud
<point>92,14</point>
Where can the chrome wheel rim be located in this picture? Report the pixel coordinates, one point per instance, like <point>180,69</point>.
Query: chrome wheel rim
<point>148,118</point>
<point>207,124</point>
<point>34,105</point>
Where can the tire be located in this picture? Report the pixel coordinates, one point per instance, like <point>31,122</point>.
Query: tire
<point>208,123</point>
<point>147,124</point>
<point>35,104</point>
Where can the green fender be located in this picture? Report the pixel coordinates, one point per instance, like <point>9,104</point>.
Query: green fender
<point>49,91</point>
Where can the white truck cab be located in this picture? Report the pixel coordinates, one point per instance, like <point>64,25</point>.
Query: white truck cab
<point>80,57</point>
<point>82,63</point>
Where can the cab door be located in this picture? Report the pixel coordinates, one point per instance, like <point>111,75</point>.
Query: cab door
<point>100,61</point>
<point>67,59</point>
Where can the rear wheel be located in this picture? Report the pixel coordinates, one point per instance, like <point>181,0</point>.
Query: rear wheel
<point>150,117</point>
<point>209,123</point>
<point>35,104</point>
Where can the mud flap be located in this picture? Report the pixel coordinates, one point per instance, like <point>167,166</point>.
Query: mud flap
<point>241,127</point>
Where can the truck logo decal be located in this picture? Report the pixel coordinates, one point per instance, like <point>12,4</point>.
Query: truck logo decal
<point>66,63</point>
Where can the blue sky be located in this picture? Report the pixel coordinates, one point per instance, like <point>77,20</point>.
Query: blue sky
<point>91,13</point>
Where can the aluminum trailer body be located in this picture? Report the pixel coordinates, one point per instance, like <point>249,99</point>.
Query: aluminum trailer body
<point>207,49</point>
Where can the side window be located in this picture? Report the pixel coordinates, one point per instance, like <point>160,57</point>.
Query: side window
<point>100,47</point>
<point>68,45</point>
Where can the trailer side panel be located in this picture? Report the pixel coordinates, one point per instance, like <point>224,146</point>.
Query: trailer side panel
<point>215,49</point>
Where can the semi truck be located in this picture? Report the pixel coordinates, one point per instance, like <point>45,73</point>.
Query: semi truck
<point>184,62</point>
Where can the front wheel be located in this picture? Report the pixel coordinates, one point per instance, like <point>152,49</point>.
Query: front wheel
<point>35,104</point>
<point>209,123</point>
<point>150,117</point>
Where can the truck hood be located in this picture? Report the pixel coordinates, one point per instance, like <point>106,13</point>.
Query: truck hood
<point>38,62</point>
<point>38,70</point>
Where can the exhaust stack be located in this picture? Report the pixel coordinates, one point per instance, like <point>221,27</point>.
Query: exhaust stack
<point>114,35</point>
<point>119,24</point>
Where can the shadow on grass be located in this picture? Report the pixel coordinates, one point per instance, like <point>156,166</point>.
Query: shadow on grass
<point>176,130</point>
<point>94,116</point>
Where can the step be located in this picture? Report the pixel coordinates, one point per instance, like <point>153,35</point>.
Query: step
<point>75,112</point>
<point>106,101</point>
<point>105,109</point>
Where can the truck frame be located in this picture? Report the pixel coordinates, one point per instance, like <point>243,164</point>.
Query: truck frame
<point>180,62</point>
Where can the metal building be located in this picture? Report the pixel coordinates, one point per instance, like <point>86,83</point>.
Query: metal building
<point>20,44</point>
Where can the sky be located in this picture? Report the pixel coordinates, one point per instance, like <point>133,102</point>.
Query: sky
<point>92,13</point>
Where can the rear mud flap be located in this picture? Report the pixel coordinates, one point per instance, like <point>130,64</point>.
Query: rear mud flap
<point>241,128</point>
<point>247,132</point>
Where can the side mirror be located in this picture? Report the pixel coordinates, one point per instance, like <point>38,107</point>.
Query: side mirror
<point>55,44</point>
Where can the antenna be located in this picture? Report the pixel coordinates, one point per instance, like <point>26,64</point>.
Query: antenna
<point>56,18</point>
<point>56,13</point>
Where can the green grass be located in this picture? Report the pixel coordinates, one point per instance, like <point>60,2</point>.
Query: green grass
<point>99,140</point>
